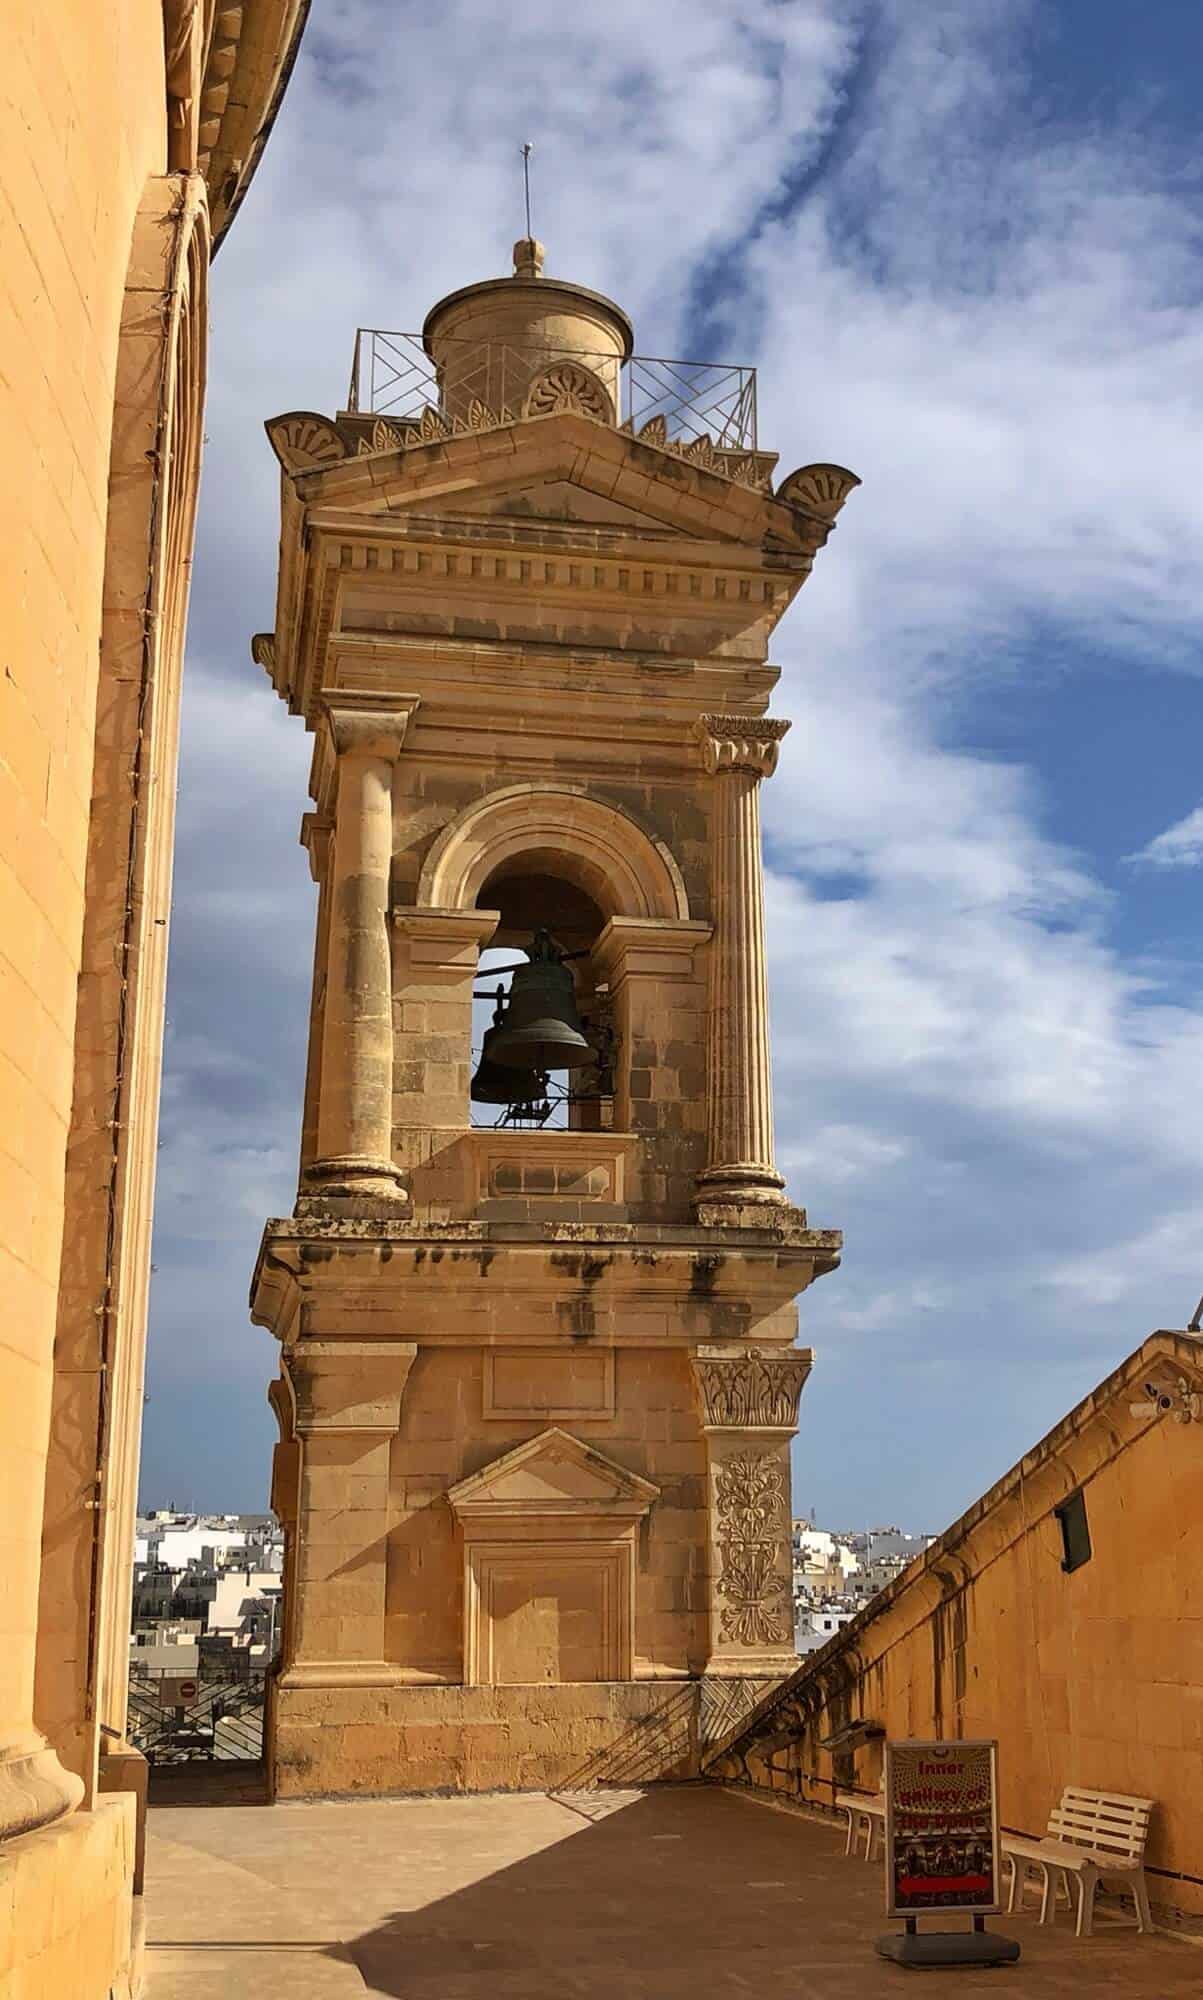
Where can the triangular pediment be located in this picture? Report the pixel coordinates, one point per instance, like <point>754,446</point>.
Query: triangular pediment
<point>563,467</point>
<point>560,500</point>
<point>554,1473</point>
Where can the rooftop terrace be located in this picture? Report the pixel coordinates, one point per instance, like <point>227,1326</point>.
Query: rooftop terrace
<point>685,1891</point>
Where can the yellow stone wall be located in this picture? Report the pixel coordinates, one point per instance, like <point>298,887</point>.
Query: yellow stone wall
<point>480,1739</point>
<point>1092,1677</point>
<point>84,130</point>
<point>66,1908</point>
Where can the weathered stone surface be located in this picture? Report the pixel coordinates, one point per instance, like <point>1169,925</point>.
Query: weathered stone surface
<point>559,610</point>
<point>112,123</point>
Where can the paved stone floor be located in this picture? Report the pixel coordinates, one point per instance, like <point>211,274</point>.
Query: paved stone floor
<point>680,1891</point>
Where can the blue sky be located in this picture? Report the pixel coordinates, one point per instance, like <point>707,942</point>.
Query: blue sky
<point>961,244</point>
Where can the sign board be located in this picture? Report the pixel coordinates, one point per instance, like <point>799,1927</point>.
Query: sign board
<point>178,1692</point>
<point>941,1828</point>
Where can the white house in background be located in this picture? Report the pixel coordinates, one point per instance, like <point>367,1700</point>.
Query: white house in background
<point>176,1540</point>
<point>238,1596</point>
<point>816,1623</point>
<point>168,1650</point>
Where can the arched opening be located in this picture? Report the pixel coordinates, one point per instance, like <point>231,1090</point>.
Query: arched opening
<point>553,859</point>
<point>558,830</point>
<point>535,892</point>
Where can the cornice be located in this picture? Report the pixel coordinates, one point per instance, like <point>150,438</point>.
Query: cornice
<point>226,67</point>
<point>329,459</point>
<point>367,1261</point>
<point>252,51</point>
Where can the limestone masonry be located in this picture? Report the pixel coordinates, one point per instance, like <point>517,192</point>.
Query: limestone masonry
<point>130,133</point>
<point>537,1386</point>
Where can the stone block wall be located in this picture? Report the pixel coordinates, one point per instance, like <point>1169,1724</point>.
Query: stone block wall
<point>480,1739</point>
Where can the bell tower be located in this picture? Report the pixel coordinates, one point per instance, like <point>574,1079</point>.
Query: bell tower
<point>537,1321</point>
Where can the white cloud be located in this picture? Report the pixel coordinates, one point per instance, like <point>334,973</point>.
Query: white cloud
<point>1180,846</point>
<point>1002,337</point>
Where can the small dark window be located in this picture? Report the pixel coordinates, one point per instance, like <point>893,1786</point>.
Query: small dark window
<point>1075,1532</point>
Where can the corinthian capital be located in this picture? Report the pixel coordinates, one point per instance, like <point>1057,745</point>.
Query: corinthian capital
<point>747,743</point>
<point>751,1390</point>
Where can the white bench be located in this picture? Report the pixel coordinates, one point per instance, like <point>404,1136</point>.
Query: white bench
<point>866,1813</point>
<point>1093,1836</point>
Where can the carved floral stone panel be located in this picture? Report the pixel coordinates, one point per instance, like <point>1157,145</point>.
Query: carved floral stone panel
<point>752,1505</point>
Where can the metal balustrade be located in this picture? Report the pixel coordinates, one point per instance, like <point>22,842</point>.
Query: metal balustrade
<point>393,375</point>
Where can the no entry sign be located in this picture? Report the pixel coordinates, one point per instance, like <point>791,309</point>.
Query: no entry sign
<point>941,1828</point>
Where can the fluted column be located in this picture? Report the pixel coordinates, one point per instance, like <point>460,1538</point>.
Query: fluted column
<point>355,1104</point>
<point>739,751</point>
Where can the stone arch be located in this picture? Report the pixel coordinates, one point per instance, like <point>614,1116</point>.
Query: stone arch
<point>599,847</point>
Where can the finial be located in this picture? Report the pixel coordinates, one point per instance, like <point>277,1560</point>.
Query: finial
<point>528,258</point>
<point>528,252</point>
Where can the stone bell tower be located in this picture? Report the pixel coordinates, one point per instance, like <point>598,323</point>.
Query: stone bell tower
<point>537,1385</point>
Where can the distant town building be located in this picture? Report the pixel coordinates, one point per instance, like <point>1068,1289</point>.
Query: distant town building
<point>206,1594</point>
<point>836,1573</point>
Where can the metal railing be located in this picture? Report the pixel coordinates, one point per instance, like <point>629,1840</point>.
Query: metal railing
<point>223,1724</point>
<point>393,376</point>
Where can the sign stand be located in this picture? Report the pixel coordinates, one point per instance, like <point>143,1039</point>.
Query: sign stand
<point>942,1852</point>
<point>976,1947</point>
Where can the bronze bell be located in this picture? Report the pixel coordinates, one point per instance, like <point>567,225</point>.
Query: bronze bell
<point>492,1084</point>
<point>542,1029</point>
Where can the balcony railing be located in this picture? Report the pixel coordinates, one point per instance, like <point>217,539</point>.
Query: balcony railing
<point>393,376</point>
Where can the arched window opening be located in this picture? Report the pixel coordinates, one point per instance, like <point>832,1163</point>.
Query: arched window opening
<point>555,922</point>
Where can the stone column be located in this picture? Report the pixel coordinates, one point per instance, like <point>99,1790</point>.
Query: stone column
<point>739,751</point>
<point>354,1119</point>
<point>749,1406</point>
